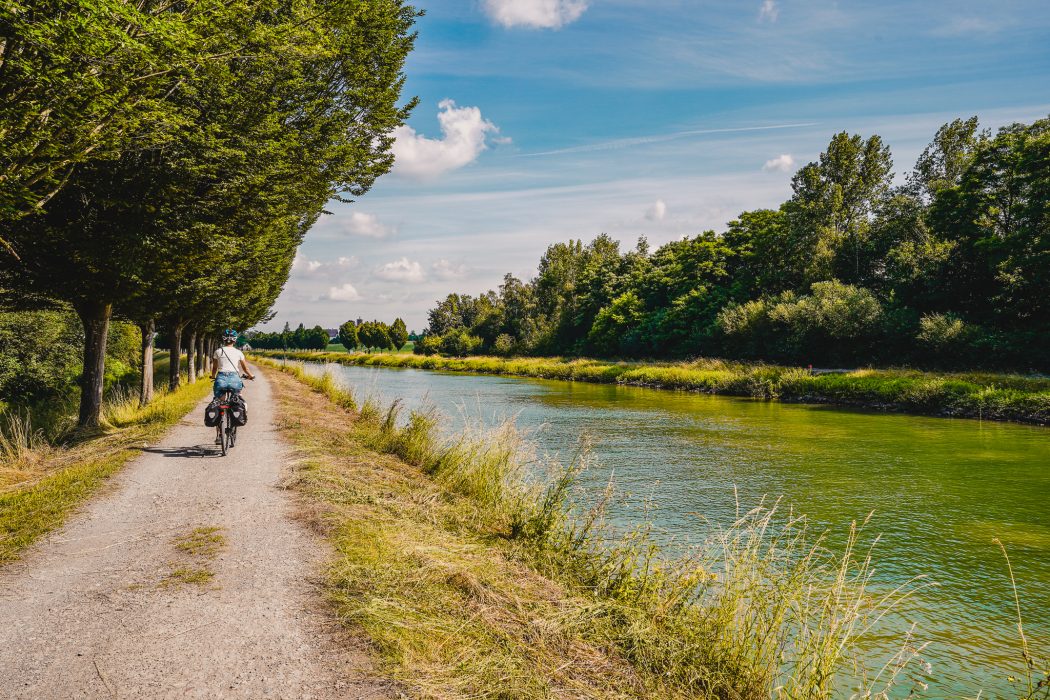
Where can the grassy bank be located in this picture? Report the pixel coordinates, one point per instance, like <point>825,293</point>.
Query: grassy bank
<point>471,580</point>
<point>41,483</point>
<point>972,395</point>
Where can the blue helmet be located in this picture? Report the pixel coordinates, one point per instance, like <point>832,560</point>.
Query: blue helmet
<point>229,334</point>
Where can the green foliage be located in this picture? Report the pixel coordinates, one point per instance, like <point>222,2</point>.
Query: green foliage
<point>39,355</point>
<point>398,334</point>
<point>197,224</point>
<point>375,335</point>
<point>348,335</point>
<point>428,345</point>
<point>615,323</point>
<point>460,343</point>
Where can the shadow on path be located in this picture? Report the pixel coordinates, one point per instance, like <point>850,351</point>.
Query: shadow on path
<point>194,451</point>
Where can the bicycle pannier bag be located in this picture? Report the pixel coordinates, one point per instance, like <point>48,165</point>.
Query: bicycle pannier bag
<point>211,414</point>
<point>238,411</point>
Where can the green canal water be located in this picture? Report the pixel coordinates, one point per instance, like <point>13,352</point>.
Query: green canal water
<point>940,489</point>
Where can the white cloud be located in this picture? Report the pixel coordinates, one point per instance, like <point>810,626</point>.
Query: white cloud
<point>403,270</point>
<point>657,212</point>
<point>769,11</point>
<point>302,267</point>
<point>534,14</point>
<point>345,292</point>
<point>446,270</point>
<point>464,133</point>
<point>361,224</point>
<point>782,163</point>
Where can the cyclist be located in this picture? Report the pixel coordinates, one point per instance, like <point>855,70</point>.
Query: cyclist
<point>228,365</point>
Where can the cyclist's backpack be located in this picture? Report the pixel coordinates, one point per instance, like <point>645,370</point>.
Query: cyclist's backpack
<point>238,411</point>
<point>211,414</point>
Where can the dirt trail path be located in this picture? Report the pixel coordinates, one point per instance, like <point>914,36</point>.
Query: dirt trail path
<point>94,612</point>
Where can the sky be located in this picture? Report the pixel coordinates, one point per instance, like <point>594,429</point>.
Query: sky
<point>545,120</point>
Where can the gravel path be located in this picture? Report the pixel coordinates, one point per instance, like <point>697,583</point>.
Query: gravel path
<point>109,607</point>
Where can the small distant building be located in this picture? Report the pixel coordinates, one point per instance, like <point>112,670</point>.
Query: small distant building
<point>333,334</point>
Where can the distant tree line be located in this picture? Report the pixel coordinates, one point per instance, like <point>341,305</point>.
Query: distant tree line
<point>160,162</point>
<point>950,269</point>
<point>368,335</point>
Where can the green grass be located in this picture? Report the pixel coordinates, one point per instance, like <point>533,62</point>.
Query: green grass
<point>197,548</point>
<point>42,483</point>
<point>472,580</point>
<point>966,395</point>
<point>339,347</point>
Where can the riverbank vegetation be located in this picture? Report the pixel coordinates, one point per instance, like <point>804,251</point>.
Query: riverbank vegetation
<point>950,270</point>
<point>366,335</point>
<point>161,162</point>
<point>966,395</point>
<point>474,580</point>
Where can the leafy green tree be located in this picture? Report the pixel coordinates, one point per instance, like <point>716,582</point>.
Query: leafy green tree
<point>209,222</point>
<point>375,335</point>
<point>460,343</point>
<point>832,203</point>
<point>427,345</point>
<point>447,315</point>
<point>766,256</point>
<point>348,335</point>
<point>943,162</point>
<point>616,323</point>
<point>398,334</point>
<point>1000,268</point>
<point>317,338</point>
<point>82,80</point>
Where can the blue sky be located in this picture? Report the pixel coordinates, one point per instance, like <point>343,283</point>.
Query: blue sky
<point>543,120</point>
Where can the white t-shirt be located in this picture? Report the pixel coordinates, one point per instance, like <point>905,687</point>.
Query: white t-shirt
<point>229,359</point>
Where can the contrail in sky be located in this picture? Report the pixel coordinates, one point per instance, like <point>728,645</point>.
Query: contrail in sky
<point>627,143</point>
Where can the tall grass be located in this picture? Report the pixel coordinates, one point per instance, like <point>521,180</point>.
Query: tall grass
<point>761,608</point>
<point>971,395</point>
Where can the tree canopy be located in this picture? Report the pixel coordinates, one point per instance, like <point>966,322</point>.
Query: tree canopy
<point>188,210</point>
<point>950,269</point>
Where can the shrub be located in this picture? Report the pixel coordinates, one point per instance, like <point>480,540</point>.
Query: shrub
<point>428,345</point>
<point>459,343</point>
<point>503,345</point>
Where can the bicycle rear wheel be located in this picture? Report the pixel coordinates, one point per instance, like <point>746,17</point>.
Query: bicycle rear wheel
<point>222,431</point>
<point>230,429</point>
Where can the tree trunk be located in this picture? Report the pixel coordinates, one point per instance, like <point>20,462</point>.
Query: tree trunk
<point>175,367</point>
<point>146,389</point>
<point>191,357</point>
<point>202,355</point>
<point>95,318</point>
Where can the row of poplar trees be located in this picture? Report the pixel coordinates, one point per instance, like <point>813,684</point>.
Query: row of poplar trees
<point>160,161</point>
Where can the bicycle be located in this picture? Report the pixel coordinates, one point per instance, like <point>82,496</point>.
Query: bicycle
<point>226,430</point>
